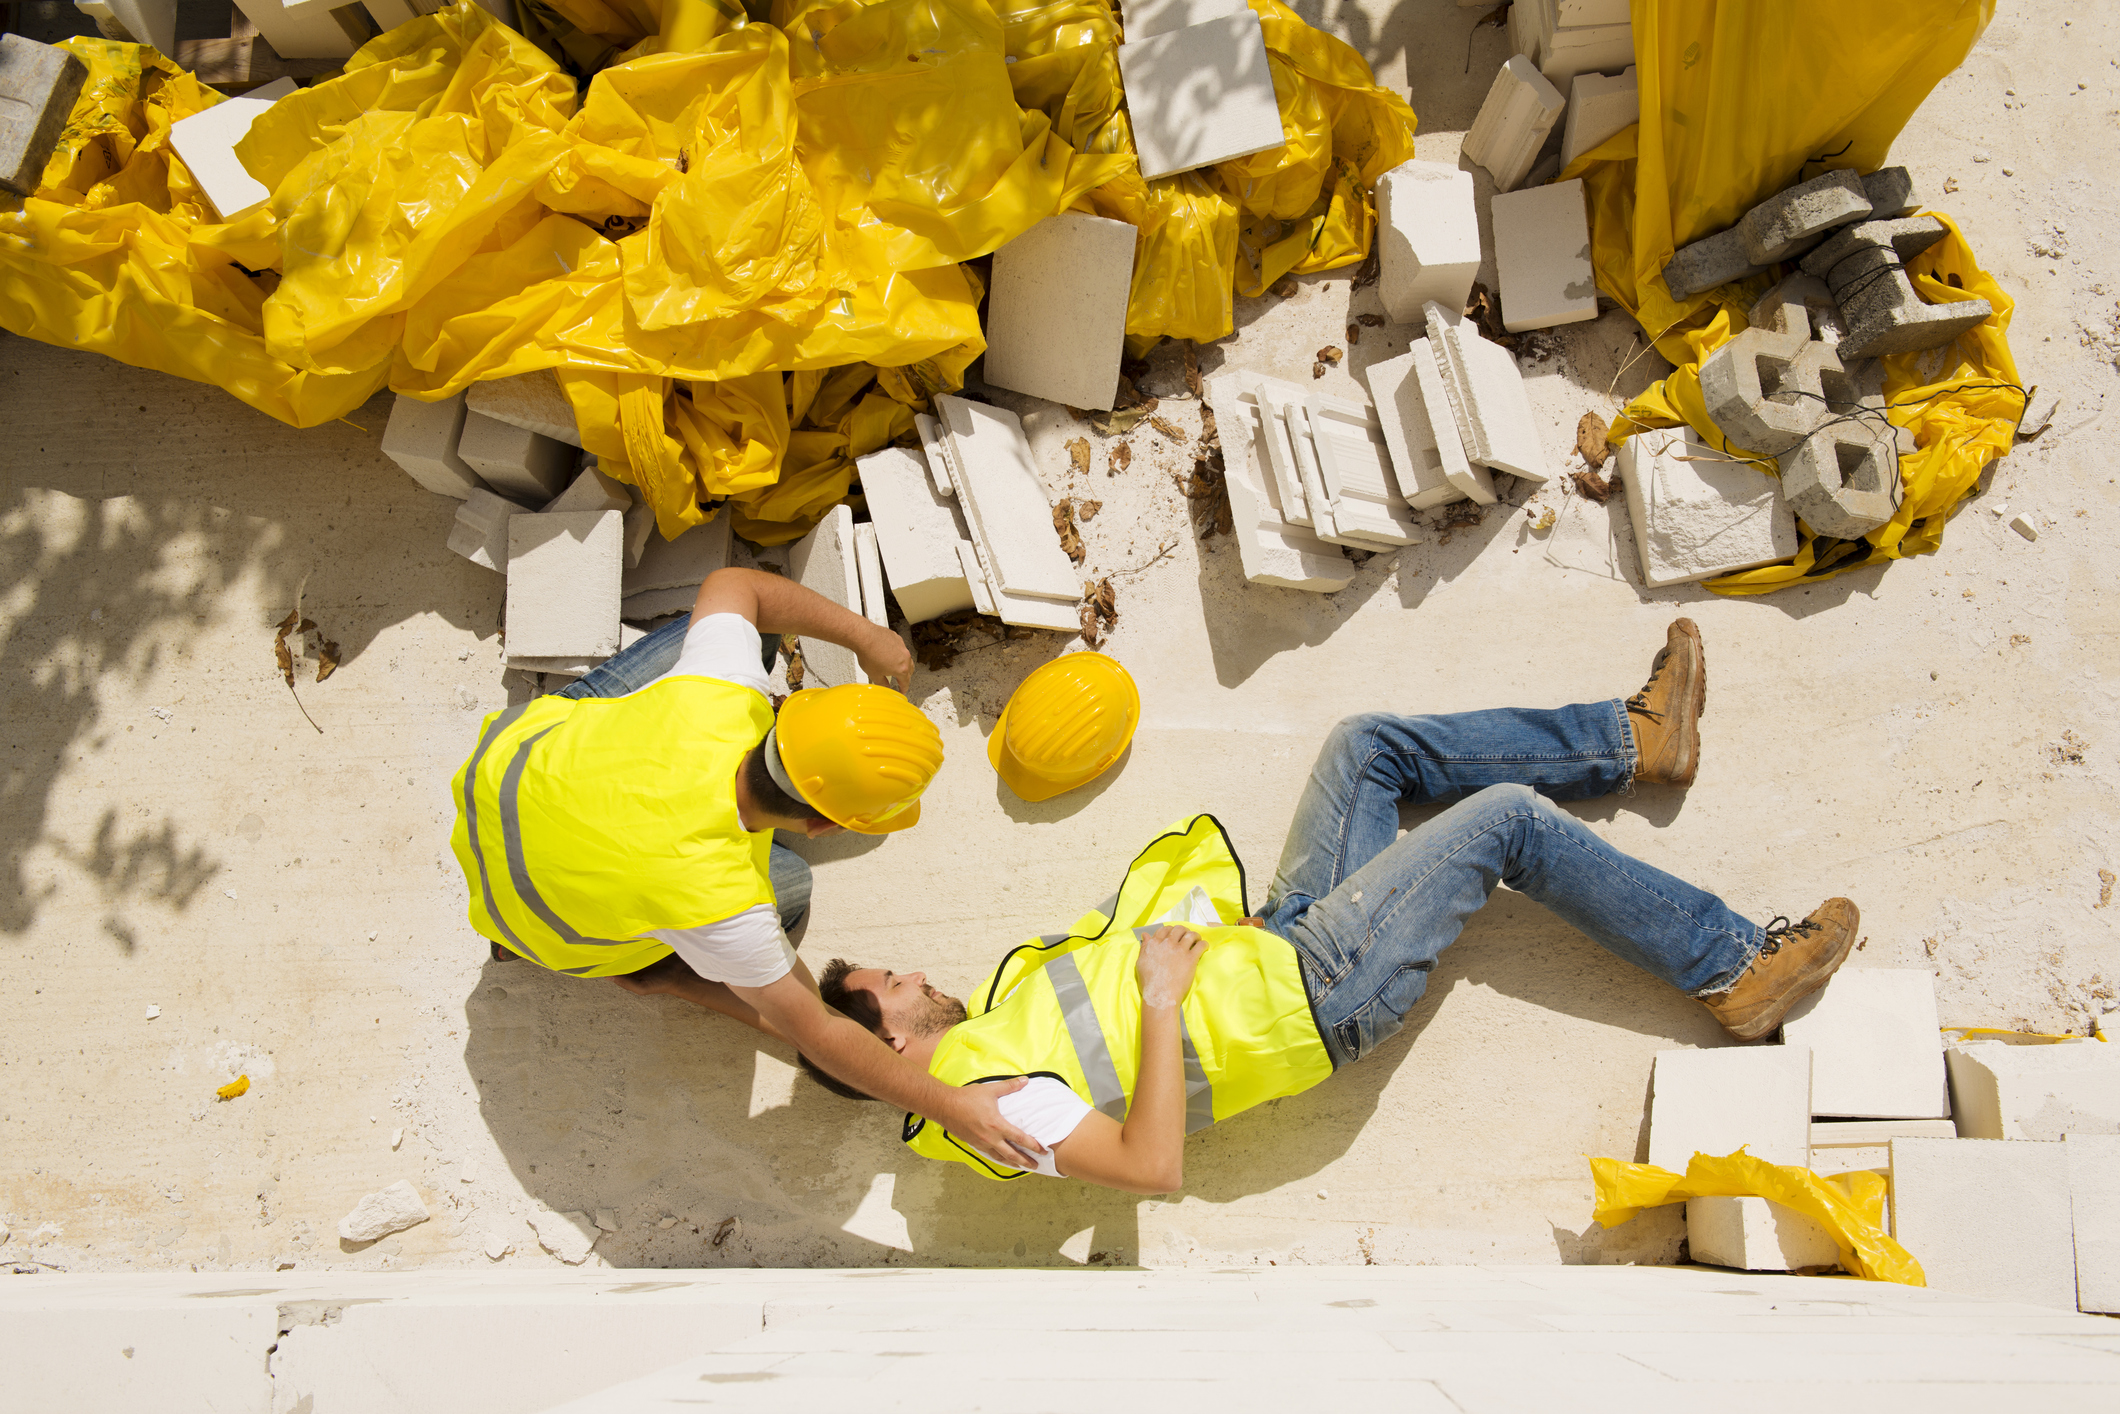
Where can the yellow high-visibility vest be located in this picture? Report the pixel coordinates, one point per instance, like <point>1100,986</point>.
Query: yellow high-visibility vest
<point>585,825</point>
<point>1068,1005</point>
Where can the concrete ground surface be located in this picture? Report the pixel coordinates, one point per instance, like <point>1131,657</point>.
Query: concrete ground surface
<point>1488,1339</point>
<point>1935,739</point>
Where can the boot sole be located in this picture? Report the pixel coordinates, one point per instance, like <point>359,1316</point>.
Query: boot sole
<point>1819,973</point>
<point>1699,696</point>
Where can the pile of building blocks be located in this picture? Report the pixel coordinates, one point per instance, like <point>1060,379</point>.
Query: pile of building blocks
<point>1198,92</point>
<point>1569,37</point>
<point>1056,309</point>
<point>38,86</point>
<point>1013,563</point>
<point>1789,224</point>
<point>1698,513</point>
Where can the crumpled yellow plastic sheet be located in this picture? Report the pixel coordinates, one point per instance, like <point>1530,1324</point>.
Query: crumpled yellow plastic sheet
<point>1740,100</point>
<point>729,209</point>
<point>1849,1206</point>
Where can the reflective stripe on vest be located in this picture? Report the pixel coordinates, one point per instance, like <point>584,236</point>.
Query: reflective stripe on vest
<point>1092,1052</point>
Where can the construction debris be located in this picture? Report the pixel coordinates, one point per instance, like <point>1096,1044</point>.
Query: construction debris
<point>666,576</point>
<point>379,1214</point>
<point>1056,311</point>
<point>1712,1102</point>
<point>563,586</point>
<point>1024,576</point>
<point>1428,238</point>
<point>568,1236</point>
<point>422,438</point>
<point>918,533</point>
<point>1520,110</point>
<point>1697,514</point>
<point>1876,1052</point>
<point>1569,37</point>
<point>824,561</point>
<point>1600,106</point>
<point>515,461</point>
<point>1542,257</point>
<point>38,86</point>
<point>530,401</point>
<point>1274,547</point>
<point>1487,398</point>
<point>1987,1218</point>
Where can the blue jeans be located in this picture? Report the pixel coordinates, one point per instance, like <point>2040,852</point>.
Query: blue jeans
<point>1368,912</point>
<point>648,660</point>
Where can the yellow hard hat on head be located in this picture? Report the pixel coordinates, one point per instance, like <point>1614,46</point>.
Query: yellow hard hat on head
<point>859,754</point>
<point>1066,723</point>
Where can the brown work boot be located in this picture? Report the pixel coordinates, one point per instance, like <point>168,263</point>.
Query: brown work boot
<point>1666,713</point>
<point>1793,962</point>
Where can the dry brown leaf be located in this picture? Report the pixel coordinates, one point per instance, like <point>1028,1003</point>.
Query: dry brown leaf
<point>1097,595</point>
<point>283,656</point>
<point>327,658</point>
<point>1950,184</point>
<point>1064,523</point>
<point>1078,454</point>
<point>1122,419</point>
<point>792,647</point>
<point>1076,413</point>
<point>1370,321</point>
<point>722,1230</point>
<point>1128,395</point>
<point>1086,511</point>
<point>1210,434</point>
<point>1122,457</point>
<point>1498,16</point>
<point>1092,635</point>
<point>1481,309</point>
<point>1168,428</point>
<point>1590,441</point>
<point>1592,485</point>
<point>1317,370</point>
<point>1286,287</point>
<point>1192,369</point>
<point>1354,333</point>
<point>1366,274</point>
<point>1331,353</point>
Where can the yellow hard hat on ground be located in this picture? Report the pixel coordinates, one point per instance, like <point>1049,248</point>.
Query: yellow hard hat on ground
<point>1066,723</point>
<point>859,754</point>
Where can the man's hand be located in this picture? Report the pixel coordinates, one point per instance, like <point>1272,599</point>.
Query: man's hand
<point>978,1122</point>
<point>1170,955</point>
<point>888,661</point>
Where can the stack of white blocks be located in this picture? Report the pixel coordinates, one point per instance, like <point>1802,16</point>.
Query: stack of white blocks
<point>1056,310</point>
<point>1698,514</point>
<point>1520,109</point>
<point>1273,548</point>
<point>1569,37</point>
<point>1428,239</point>
<point>1200,91</point>
<point>1013,563</point>
<point>206,142</point>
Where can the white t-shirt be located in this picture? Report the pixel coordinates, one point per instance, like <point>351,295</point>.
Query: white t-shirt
<point>1048,1111</point>
<point>749,949</point>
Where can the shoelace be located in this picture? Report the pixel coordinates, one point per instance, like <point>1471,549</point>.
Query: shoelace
<point>1781,929</point>
<point>1639,702</point>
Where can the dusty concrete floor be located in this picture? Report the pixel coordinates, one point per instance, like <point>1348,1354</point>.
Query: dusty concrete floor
<point>1935,739</point>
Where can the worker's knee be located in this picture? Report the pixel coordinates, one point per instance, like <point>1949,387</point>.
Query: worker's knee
<point>1507,801</point>
<point>1352,739</point>
<point>790,875</point>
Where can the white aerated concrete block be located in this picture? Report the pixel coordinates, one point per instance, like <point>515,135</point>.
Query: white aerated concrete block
<point>1416,455</point>
<point>1987,1217</point>
<point>1468,476</point>
<point>823,561</point>
<point>1512,124</point>
<point>1056,309</point>
<point>1145,18</point>
<point>640,524</point>
<point>975,579</point>
<point>299,29</point>
<point>1697,515</point>
<point>593,491</point>
<point>531,401</point>
<point>1569,13</point>
<point>2094,1201</point>
<point>1273,551</point>
<point>917,532</point>
<point>513,460</point>
<point>206,143</point>
<point>1840,1145</point>
<point>563,574</point>
<point>480,531</point>
<point>2001,1091</point>
<point>421,438</point>
<point>1428,239</point>
<point>1599,106</point>
<point>868,567</point>
<point>1542,257</point>
<point>1200,95</point>
<point>683,563</point>
<point>1487,397</point>
<point>1755,1235</point>
<point>1711,1102</point>
<point>1354,462</point>
<point>1004,501</point>
<point>1876,1052</point>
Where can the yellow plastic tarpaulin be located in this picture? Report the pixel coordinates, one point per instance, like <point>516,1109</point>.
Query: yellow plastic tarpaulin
<point>1849,1206</point>
<point>1740,99</point>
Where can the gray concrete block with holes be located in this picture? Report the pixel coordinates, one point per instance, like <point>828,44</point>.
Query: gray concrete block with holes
<point>1865,265</point>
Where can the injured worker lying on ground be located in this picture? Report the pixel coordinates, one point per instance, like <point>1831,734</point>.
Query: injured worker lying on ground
<point>1164,1009</point>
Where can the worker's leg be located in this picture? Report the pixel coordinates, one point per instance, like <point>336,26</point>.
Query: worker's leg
<point>790,874</point>
<point>1370,764</point>
<point>1369,944</point>
<point>648,660</point>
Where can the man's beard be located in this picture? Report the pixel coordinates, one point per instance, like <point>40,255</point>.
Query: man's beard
<point>937,1013</point>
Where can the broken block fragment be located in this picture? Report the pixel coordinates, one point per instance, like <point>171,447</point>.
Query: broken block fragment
<point>480,531</point>
<point>1866,266</point>
<point>1755,1235</point>
<point>1987,1217</point>
<point>38,86</point>
<point>531,401</point>
<point>1272,551</point>
<point>1520,110</point>
<point>422,437</point>
<point>1796,218</point>
<point>514,460</point>
<point>1842,1145</point>
<point>379,1214</point>
<point>917,534</point>
<point>563,572</point>
<point>1056,310</point>
<point>1696,516</point>
<point>206,142</point>
<point>1713,1102</point>
<point>1800,305</point>
<point>1029,577</point>
<point>1487,397</point>
<point>1891,193</point>
<point>1428,239</point>
<point>1355,468</point>
<point>1200,95</point>
<point>1542,257</point>
<point>1416,451</point>
<point>1599,106</point>
<point>1876,1052</point>
<point>824,562</point>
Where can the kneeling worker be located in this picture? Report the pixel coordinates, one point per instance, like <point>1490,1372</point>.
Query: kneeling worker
<point>630,817</point>
<point>1166,1010</point>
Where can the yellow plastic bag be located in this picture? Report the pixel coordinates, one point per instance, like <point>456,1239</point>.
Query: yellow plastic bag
<point>1850,1206</point>
<point>1741,99</point>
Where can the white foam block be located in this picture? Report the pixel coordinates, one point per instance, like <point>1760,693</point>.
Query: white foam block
<point>1354,462</point>
<point>206,143</point>
<point>563,585</point>
<point>531,401</point>
<point>683,563</point>
<point>2094,1202</point>
<point>515,461</point>
<point>1145,18</point>
<point>1056,310</point>
<point>1470,478</point>
<point>1004,501</point>
<point>823,562</point>
<point>1987,1217</point>
<point>1487,397</point>
<point>1875,1049</point>
<point>1416,456</point>
<point>1542,257</point>
<point>1200,95</point>
<point>1428,238</point>
<point>657,603</point>
<point>480,530</point>
<point>1711,1102</point>
<point>917,533</point>
<point>868,567</point>
<point>1599,106</point>
<point>2034,1092</point>
<point>1696,516</point>
<point>1755,1235</point>
<point>421,438</point>
<point>1520,110</point>
<point>1272,551</point>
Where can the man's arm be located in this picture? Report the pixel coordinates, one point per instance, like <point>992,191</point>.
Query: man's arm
<point>855,1055</point>
<point>1147,1153</point>
<point>776,604</point>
